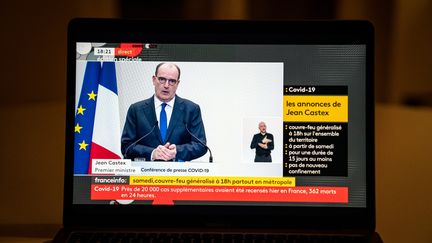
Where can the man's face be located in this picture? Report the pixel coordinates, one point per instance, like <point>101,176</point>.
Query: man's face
<point>166,91</point>
<point>262,127</point>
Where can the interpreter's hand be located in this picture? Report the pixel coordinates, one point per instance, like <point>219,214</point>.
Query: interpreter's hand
<point>165,152</point>
<point>266,140</point>
<point>263,145</point>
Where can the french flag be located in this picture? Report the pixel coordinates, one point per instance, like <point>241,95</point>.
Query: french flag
<point>106,130</point>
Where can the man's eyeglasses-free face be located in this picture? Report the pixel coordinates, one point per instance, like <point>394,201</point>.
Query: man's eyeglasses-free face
<point>163,80</point>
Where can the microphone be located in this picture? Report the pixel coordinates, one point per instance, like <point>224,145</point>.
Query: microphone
<point>141,138</point>
<point>201,142</point>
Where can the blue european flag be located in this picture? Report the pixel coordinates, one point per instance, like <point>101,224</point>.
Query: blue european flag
<point>84,118</point>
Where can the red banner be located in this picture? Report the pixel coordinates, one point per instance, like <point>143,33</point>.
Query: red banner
<point>128,49</point>
<point>170,194</point>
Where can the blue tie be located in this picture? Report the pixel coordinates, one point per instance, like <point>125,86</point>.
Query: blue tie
<point>163,122</point>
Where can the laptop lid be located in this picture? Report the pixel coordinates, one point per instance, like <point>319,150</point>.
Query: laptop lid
<point>220,123</point>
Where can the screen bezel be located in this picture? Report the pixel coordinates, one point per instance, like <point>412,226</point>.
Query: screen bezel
<point>220,32</point>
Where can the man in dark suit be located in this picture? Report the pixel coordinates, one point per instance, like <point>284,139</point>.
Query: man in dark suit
<point>162,127</point>
<point>262,142</point>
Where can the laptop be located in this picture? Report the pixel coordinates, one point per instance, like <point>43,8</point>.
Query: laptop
<point>219,131</point>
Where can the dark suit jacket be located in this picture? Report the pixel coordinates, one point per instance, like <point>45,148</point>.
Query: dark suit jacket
<point>141,119</point>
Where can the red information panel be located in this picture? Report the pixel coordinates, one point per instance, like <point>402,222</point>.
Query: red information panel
<point>169,194</point>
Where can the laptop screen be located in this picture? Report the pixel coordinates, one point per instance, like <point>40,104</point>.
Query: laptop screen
<point>220,124</point>
<point>209,123</point>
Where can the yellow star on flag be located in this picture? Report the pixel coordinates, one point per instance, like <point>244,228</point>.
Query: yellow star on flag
<point>92,96</point>
<point>81,110</point>
<point>78,128</point>
<point>83,145</point>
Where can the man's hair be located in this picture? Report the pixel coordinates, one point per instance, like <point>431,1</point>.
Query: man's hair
<point>162,63</point>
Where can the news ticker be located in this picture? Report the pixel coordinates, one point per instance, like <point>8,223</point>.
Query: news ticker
<point>170,189</point>
<point>195,181</point>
